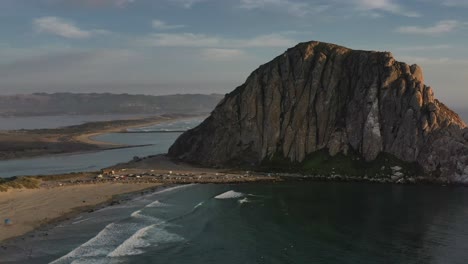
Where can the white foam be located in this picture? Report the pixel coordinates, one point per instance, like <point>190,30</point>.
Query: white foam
<point>198,205</point>
<point>101,244</point>
<point>133,245</point>
<point>139,215</point>
<point>157,203</point>
<point>175,188</point>
<point>230,195</point>
<point>136,213</point>
<point>82,220</point>
<point>244,200</point>
<point>145,237</point>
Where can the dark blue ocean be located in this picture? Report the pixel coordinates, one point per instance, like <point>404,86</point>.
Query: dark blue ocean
<point>262,223</point>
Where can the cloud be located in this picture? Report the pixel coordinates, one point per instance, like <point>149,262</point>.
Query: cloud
<point>161,25</point>
<point>207,41</point>
<point>388,6</point>
<point>222,54</point>
<point>72,65</point>
<point>441,27</point>
<point>292,7</point>
<point>94,3</point>
<point>186,3</point>
<point>425,48</point>
<point>454,3</point>
<point>63,28</point>
<point>302,8</point>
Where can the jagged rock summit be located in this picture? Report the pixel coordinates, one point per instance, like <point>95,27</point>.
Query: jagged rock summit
<point>319,97</point>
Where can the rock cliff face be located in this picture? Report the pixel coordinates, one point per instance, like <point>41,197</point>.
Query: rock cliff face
<point>319,96</point>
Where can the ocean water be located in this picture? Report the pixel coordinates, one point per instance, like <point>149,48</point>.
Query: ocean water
<point>262,223</point>
<point>92,161</point>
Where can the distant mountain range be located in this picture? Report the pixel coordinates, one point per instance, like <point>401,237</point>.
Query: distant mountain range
<point>40,104</point>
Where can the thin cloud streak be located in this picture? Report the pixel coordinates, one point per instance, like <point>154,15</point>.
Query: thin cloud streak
<point>161,25</point>
<point>441,27</point>
<point>63,28</point>
<point>222,54</point>
<point>207,41</point>
<point>388,6</point>
<point>294,8</point>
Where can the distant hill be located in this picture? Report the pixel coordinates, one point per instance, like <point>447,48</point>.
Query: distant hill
<point>40,104</point>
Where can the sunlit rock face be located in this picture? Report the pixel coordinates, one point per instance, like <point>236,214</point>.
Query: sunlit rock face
<point>319,96</point>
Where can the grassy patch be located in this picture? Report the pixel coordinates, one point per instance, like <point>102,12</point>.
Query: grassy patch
<point>18,183</point>
<point>61,177</point>
<point>321,163</point>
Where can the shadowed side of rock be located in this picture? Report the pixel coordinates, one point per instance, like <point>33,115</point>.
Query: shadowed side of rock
<point>319,96</point>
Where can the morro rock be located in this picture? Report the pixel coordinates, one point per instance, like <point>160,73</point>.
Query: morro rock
<point>320,97</point>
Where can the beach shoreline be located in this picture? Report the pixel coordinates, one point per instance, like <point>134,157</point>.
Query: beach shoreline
<point>132,178</point>
<point>58,204</point>
<point>32,209</point>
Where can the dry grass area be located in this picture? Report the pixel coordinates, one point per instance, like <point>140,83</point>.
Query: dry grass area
<point>19,183</point>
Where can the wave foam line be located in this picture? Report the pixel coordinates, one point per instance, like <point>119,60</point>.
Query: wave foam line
<point>157,203</point>
<point>244,200</point>
<point>139,215</point>
<point>82,220</point>
<point>143,238</point>
<point>170,189</point>
<point>133,245</point>
<point>101,244</point>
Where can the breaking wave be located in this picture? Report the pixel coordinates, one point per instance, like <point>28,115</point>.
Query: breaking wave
<point>145,237</point>
<point>230,195</point>
<point>133,245</point>
<point>157,203</point>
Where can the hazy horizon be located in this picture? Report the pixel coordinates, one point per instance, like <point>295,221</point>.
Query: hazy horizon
<point>206,46</point>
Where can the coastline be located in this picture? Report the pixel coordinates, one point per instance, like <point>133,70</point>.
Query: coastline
<point>23,144</point>
<point>60,197</point>
<point>101,189</point>
<point>57,204</point>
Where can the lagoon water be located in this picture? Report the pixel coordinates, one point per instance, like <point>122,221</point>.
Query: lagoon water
<point>92,161</point>
<point>262,223</point>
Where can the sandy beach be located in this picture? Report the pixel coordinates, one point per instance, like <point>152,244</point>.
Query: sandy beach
<point>29,209</point>
<point>61,196</point>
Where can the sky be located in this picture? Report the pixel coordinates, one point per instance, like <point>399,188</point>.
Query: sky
<point>211,46</point>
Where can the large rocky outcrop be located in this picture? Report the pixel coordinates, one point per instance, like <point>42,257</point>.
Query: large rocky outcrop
<point>320,96</point>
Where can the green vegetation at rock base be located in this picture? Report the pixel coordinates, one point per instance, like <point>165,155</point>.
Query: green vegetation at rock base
<point>322,163</point>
